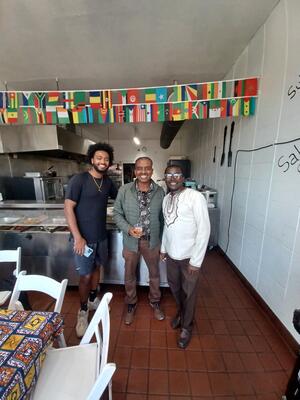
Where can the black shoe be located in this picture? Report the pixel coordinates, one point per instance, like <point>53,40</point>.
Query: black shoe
<point>176,322</point>
<point>130,314</point>
<point>184,338</point>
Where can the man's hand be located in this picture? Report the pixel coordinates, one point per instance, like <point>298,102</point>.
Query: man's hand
<point>135,232</point>
<point>193,270</point>
<point>79,245</point>
<point>163,256</point>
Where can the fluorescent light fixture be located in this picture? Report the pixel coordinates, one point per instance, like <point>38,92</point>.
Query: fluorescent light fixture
<point>136,140</point>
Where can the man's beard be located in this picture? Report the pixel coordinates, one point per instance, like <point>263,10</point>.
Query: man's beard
<point>100,171</point>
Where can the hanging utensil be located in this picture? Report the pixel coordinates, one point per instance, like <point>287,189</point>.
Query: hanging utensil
<point>214,159</point>
<point>224,140</point>
<point>230,142</point>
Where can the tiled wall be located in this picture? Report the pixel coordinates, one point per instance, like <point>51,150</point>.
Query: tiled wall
<point>264,238</point>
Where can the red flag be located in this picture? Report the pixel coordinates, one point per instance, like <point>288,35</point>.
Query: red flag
<point>224,108</point>
<point>133,96</point>
<point>251,87</point>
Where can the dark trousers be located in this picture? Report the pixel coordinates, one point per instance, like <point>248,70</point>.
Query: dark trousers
<point>151,257</point>
<point>184,288</point>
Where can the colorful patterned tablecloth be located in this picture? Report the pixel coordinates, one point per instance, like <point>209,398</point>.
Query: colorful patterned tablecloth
<point>24,338</point>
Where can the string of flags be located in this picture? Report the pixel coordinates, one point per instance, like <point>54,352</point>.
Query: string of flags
<point>218,99</point>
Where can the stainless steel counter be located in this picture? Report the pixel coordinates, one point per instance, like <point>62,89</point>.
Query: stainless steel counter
<point>30,204</point>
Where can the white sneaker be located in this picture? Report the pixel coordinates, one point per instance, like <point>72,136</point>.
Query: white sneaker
<point>82,323</point>
<point>93,305</point>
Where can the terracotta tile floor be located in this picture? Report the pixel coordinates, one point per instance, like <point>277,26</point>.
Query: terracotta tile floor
<point>234,353</point>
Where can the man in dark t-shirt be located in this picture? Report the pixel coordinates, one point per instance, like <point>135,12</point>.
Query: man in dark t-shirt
<point>85,209</point>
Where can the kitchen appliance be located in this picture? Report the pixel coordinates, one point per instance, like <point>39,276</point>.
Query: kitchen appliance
<point>38,188</point>
<point>211,197</point>
<point>189,183</point>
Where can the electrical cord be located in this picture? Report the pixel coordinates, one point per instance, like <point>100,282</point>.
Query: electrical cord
<point>234,177</point>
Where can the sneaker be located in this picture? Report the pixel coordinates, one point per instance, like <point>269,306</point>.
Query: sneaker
<point>184,338</point>
<point>82,323</point>
<point>130,314</point>
<point>158,314</point>
<point>93,305</point>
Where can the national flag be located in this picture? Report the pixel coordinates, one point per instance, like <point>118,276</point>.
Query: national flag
<point>41,116</point>
<point>234,107</point>
<point>62,115</point>
<point>53,99</point>
<point>95,99</point>
<point>106,99</point>
<point>51,115</point>
<point>148,113</point>
<point>178,111</point>
<point>3,116</point>
<point>129,113</point>
<point>28,98</point>
<point>79,115</point>
<point>251,86</point>
<point>28,115</point>
<point>194,109</point>
<point>68,100</point>
<point>140,113</point>
<point>203,109</point>
<point>12,115</point>
<point>40,99</point>
<point>239,88</point>
<point>150,95</point>
<point>3,100</point>
<point>187,110</point>
<point>168,111</point>
<point>223,108</point>
<point>103,115</point>
<point>214,109</point>
<point>161,94</point>
<point>12,100</point>
<point>222,89</point>
<point>190,92</point>
<point>79,99</point>
<point>177,94</point>
<point>158,112</point>
<point>122,96</point>
<point>119,114</point>
<point>133,96</point>
<point>90,115</point>
<point>210,90</point>
<point>248,106</point>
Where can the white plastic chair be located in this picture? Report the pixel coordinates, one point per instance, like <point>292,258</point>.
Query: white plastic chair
<point>43,284</point>
<point>10,256</point>
<point>79,372</point>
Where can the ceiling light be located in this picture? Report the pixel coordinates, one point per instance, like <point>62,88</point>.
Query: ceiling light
<point>136,140</point>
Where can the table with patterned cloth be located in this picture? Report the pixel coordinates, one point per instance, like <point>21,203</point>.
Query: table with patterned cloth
<point>24,338</point>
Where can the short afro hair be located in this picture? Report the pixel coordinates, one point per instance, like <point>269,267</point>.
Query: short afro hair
<point>101,147</point>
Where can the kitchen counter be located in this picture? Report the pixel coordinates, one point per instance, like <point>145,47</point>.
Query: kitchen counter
<point>13,204</point>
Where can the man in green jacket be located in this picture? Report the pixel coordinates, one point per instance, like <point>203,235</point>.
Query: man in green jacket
<point>138,213</point>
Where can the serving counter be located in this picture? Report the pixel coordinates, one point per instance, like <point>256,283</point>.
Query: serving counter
<point>41,230</point>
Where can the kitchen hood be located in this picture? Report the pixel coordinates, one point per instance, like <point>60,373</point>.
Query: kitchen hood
<point>45,138</point>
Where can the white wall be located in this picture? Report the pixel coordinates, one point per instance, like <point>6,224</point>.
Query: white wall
<point>264,241</point>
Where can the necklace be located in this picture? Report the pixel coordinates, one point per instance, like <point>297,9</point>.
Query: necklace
<point>96,183</point>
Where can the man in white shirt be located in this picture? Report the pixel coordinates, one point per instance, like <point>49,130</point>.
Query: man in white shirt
<point>184,243</point>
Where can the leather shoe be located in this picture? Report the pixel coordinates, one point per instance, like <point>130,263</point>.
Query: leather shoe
<point>184,338</point>
<point>130,314</point>
<point>176,322</point>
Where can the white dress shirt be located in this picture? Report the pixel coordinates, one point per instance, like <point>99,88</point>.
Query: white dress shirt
<point>187,227</point>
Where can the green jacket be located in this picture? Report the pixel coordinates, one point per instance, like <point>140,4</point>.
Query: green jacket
<point>126,214</point>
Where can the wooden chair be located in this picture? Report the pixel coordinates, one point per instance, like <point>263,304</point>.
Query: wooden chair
<point>43,284</point>
<point>12,256</point>
<point>79,372</point>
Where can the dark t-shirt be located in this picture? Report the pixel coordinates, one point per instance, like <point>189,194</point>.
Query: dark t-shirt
<point>90,209</point>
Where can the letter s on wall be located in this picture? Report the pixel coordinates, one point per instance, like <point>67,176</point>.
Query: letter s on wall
<point>281,165</point>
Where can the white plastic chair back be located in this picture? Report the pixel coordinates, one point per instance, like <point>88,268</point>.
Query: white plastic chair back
<point>101,316</point>
<point>102,381</point>
<point>39,283</point>
<point>12,256</point>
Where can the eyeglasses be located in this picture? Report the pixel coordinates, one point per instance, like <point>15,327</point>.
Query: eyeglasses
<point>175,176</point>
